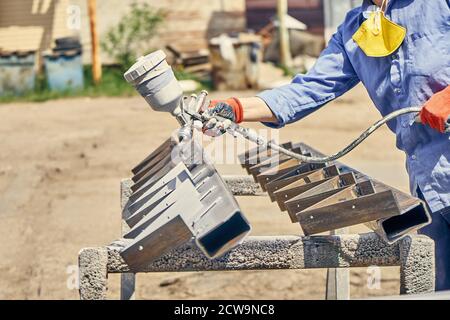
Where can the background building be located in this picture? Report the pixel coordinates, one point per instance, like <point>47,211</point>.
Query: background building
<point>34,24</point>
<point>310,12</point>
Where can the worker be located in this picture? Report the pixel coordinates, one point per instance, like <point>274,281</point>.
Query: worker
<point>400,51</point>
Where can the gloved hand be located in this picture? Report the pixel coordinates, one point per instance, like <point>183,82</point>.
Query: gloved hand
<point>230,109</point>
<point>436,111</point>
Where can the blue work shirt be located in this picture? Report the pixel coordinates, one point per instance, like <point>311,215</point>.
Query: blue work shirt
<point>407,78</point>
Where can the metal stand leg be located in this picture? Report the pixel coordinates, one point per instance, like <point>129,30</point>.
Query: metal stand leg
<point>127,286</point>
<point>127,280</point>
<point>338,280</point>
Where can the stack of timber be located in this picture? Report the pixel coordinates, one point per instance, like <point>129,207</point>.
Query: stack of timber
<point>236,61</point>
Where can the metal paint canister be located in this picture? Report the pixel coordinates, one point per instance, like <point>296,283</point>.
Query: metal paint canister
<point>154,79</point>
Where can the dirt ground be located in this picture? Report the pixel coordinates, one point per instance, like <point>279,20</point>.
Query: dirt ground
<point>60,166</point>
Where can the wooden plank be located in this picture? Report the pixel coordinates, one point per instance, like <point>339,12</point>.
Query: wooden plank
<point>347,213</point>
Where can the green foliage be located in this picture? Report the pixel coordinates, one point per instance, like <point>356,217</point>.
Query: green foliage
<point>288,71</point>
<point>205,84</point>
<point>138,26</point>
<point>113,84</point>
<point>123,43</point>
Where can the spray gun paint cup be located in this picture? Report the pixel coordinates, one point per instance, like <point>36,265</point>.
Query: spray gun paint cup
<point>154,79</point>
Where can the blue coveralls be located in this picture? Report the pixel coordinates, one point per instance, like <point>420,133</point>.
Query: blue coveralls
<point>407,78</point>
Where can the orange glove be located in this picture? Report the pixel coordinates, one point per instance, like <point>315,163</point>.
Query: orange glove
<point>436,111</point>
<point>230,109</point>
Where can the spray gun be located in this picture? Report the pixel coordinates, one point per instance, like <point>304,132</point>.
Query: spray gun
<point>154,79</point>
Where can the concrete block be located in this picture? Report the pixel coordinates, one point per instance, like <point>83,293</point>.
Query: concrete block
<point>93,273</point>
<point>417,269</point>
<point>414,254</point>
<point>275,252</point>
<point>243,185</point>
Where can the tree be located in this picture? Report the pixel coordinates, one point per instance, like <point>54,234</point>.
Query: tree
<point>123,41</point>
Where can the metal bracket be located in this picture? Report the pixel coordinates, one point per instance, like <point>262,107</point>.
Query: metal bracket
<point>341,195</point>
<point>173,201</point>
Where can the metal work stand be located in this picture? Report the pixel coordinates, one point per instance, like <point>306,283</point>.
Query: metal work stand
<point>414,254</point>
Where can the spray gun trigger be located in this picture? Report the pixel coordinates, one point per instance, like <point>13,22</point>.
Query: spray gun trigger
<point>197,124</point>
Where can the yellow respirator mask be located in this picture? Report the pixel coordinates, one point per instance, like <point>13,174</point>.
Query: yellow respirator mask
<point>378,36</point>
